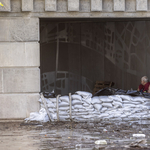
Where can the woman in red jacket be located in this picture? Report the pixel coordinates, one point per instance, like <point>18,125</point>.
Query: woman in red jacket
<point>145,85</point>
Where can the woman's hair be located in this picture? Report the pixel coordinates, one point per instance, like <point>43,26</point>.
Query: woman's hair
<point>145,79</point>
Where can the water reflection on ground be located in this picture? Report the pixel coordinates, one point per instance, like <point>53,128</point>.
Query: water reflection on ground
<point>71,135</point>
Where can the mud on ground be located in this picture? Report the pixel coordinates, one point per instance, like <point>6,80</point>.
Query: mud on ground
<point>72,135</point>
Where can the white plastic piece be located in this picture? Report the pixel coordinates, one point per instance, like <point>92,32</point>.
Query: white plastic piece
<point>139,135</point>
<point>101,142</point>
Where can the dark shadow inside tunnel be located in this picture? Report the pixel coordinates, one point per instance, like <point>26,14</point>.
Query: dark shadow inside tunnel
<point>77,53</point>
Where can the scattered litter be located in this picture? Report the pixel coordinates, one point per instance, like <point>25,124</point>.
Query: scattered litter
<point>139,135</point>
<point>139,143</point>
<point>101,142</point>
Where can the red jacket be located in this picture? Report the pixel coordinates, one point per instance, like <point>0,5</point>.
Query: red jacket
<point>144,88</point>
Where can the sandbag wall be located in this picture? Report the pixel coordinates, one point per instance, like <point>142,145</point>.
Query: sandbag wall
<point>88,108</point>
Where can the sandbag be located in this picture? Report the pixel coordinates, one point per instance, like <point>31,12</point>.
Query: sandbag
<point>51,110</point>
<point>86,104</point>
<point>137,99</point>
<point>78,107</point>
<point>108,105</point>
<point>76,97</point>
<point>76,102</point>
<point>125,97</point>
<point>98,107</point>
<point>104,115</point>
<point>129,105</point>
<point>103,109</point>
<point>84,94</point>
<point>51,105</point>
<point>105,99</point>
<point>63,104</point>
<point>64,108</point>
<point>116,98</point>
<point>64,99</point>
<point>117,103</point>
<point>87,100</point>
<point>53,100</point>
<point>96,100</point>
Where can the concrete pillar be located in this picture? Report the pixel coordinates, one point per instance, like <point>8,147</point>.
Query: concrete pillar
<point>19,67</point>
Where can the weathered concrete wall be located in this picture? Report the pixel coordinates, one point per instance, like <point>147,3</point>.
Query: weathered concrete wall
<point>19,47</point>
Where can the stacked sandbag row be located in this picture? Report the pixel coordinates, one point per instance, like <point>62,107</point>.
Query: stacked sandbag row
<point>88,108</point>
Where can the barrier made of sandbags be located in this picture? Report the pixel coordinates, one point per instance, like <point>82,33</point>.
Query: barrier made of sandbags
<point>81,106</point>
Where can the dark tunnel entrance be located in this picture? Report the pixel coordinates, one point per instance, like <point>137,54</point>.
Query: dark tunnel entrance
<point>76,54</point>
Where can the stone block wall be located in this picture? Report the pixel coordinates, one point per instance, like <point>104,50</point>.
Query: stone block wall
<point>19,43</point>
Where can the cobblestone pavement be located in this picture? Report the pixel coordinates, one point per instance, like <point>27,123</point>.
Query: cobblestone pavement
<point>71,135</point>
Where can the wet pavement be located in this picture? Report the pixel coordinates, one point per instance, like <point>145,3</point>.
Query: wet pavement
<point>71,135</point>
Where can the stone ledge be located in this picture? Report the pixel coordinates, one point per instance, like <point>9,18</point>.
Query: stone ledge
<point>18,106</point>
<point>19,54</point>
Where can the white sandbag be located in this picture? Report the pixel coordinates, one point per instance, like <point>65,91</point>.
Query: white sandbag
<point>129,105</point>
<point>63,104</point>
<point>117,103</point>
<point>77,97</point>
<point>103,115</point>
<point>54,116</point>
<point>116,106</point>
<point>105,99</point>
<point>64,99</point>
<point>63,113</point>
<point>90,110</point>
<point>52,100</point>
<point>125,97</point>
<point>98,107</point>
<point>51,105</point>
<point>87,116</point>
<point>87,100</point>
<point>78,107</point>
<point>51,110</point>
<point>108,105</point>
<point>137,99</point>
<point>84,94</point>
<point>64,108</point>
<point>103,109</point>
<point>41,116</point>
<point>116,115</point>
<point>96,100</point>
<point>145,99</point>
<point>76,102</point>
<point>116,98</point>
<point>86,104</point>
<point>40,100</point>
<point>80,114</point>
<point>90,107</point>
<point>123,116</point>
<point>64,117</point>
